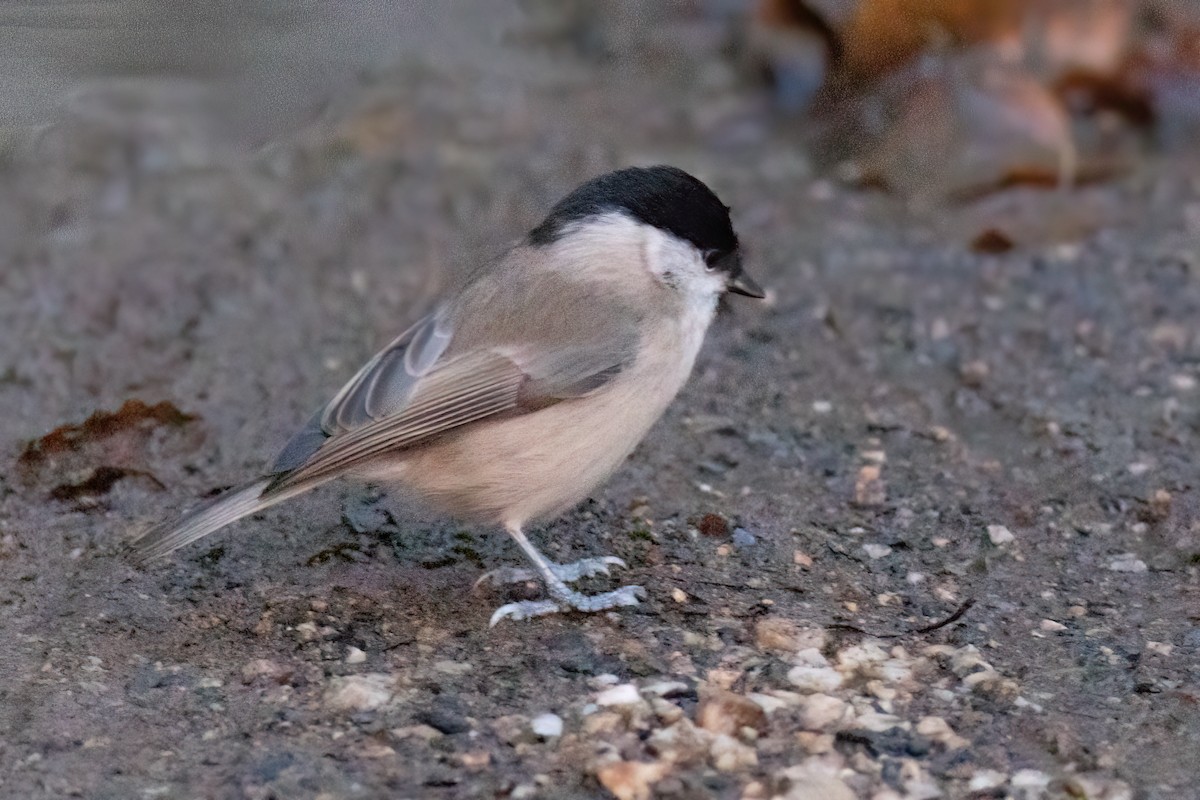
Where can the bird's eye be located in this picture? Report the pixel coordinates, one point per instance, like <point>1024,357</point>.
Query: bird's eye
<point>711,259</point>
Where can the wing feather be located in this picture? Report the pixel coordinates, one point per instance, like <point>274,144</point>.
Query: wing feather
<point>462,364</point>
<point>466,390</point>
<point>385,383</point>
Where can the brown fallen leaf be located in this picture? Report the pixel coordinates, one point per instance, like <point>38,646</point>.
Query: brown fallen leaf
<point>99,482</point>
<point>992,242</point>
<point>713,525</point>
<point>1055,35</point>
<point>133,414</point>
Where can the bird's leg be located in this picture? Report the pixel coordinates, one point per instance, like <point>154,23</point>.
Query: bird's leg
<point>563,598</point>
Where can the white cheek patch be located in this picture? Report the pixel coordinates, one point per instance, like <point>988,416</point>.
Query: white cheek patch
<point>679,265</point>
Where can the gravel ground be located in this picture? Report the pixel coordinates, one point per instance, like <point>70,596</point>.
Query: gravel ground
<point>923,524</point>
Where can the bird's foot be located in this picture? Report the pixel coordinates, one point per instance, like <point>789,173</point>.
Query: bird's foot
<point>565,599</point>
<point>567,573</point>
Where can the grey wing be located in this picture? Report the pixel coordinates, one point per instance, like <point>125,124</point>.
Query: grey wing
<point>415,390</point>
<point>382,387</point>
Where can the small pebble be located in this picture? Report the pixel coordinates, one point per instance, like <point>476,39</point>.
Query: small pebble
<point>998,535</point>
<point>355,656</point>
<point>632,780</point>
<point>726,712</point>
<point>821,712</point>
<point>1183,382</point>
<point>1127,562</point>
<point>974,373</point>
<point>776,633</point>
<point>621,695</point>
<point>307,631</point>
<point>743,538</point>
<point>1030,779</point>
<point>1161,648</point>
<point>939,730</point>
<point>730,755</point>
<point>261,668</point>
<point>359,692</point>
<point>666,688</point>
<point>547,726</point>
<point>876,551</point>
<point>814,679</point>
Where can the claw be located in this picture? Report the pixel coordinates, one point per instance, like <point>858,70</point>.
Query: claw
<point>503,576</point>
<point>525,609</point>
<point>569,601</point>
<point>586,568</point>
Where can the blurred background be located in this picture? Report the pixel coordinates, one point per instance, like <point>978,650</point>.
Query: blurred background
<point>935,102</point>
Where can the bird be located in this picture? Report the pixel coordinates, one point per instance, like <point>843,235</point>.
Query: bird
<point>529,383</point>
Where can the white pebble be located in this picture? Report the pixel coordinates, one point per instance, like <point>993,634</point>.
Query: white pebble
<point>810,657</point>
<point>998,535</point>
<point>360,692</point>
<point>1183,382</point>
<point>547,726</point>
<point>1051,626</point>
<point>822,406</point>
<point>878,722</point>
<point>875,551</point>
<point>768,703</point>
<point>820,712</point>
<point>987,779</point>
<point>1127,562</point>
<point>815,679</point>
<point>1030,779</point>
<point>665,688</point>
<point>730,755</point>
<point>621,695</point>
<point>355,656</point>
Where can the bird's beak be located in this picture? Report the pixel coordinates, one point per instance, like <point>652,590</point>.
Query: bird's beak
<point>738,281</point>
<point>745,285</point>
<point>741,283</point>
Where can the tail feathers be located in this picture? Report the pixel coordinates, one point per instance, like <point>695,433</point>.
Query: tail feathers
<point>206,518</point>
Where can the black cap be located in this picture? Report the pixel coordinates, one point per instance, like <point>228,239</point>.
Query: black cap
<point>665,197</point>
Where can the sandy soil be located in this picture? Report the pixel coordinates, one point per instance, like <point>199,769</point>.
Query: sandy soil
<point>905,427</point>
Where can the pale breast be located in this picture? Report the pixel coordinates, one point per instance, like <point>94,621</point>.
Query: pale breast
<point>538,464</point>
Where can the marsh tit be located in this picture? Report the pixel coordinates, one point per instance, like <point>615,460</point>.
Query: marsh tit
<point>529,385</point>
